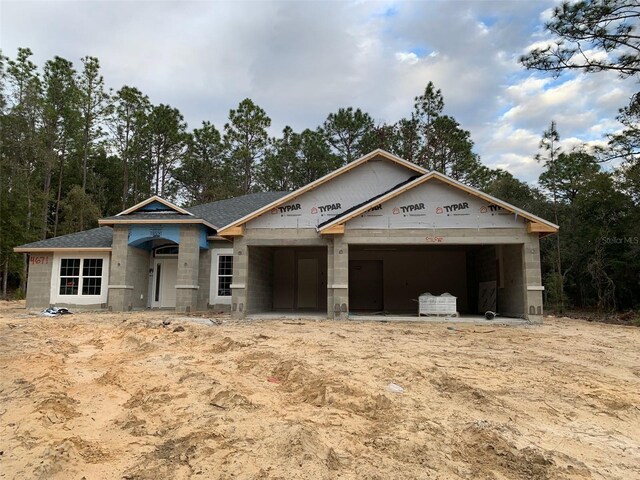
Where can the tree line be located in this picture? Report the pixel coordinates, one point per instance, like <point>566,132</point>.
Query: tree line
<point>73,151</point>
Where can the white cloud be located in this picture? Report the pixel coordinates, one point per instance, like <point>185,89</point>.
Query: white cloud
<point>407,57</point>
<point>303,60</point>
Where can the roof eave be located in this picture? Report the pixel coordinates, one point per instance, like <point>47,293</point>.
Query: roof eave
<point>129,221</point>
<point>60,249</point>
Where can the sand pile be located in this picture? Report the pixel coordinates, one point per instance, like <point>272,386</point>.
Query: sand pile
<point>153,396</point>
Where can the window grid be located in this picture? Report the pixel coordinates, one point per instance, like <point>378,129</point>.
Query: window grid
<point>225,275</point>
<point>71,280</point>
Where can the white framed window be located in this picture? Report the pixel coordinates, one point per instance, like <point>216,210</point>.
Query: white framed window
<point>80,278</point>
<point>225,274</point>
<point>221,276</point>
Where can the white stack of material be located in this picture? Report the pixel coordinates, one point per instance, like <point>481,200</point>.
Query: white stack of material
<point>445,304</point>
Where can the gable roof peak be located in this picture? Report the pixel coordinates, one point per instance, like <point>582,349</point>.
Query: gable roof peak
<point>378,152</point>
<point>419,180</point>
<point>154,198</point>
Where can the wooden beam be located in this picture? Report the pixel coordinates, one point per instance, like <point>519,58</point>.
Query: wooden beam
<point>535,227</point>
<point>232,231</point>
<point>334,230</point>
<point>129,221</point>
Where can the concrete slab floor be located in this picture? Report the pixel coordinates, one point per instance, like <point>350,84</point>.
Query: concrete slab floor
<point>466,319</point>
<point>288,316</point>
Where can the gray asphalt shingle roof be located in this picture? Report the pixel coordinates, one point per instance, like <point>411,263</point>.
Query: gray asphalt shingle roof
<point>219,213</point>
<point>223,212</point>
<point>95,238</point>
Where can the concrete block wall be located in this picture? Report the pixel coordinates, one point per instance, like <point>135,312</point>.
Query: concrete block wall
<point>330,281</point>
<point>533,279</point>
<point>340,283</point>
<point>120,292</point>
<point>239,285</point>
<point>269,237</point>
<point>204,279</point>
<point>39,284</point>
<point>338,261</point>
<point>260,280</point>
<point>128,274</point>
<point>511,300</point>
<point>188,269</point>
<point>138,276</point>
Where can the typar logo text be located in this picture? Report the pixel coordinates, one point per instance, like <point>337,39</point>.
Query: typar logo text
<point>453,208</point>
<point>294,207</point>
<point>414,207</point>
<point>490,208</point>
<point>331,207</point>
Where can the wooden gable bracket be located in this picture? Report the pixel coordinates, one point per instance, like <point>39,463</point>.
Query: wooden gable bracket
<point>337,229</point>
<point>535,227</point>
<point>232,231</point>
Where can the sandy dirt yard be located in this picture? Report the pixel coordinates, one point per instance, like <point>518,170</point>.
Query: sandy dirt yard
<point>122,396</point>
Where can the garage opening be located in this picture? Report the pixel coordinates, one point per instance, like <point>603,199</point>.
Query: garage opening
<point>287,279</point>
<point>388,279</point>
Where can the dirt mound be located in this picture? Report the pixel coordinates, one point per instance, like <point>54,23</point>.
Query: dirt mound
<point>174,458</point>
<point>62,455</point>
<point>228,399</point>
<point>134,425</point>
<point>449,385</point>
<point>228,344</point>
<point>58,408</point>
<point>110,377</point>
<point>136,344</point>
<point>486,452</point>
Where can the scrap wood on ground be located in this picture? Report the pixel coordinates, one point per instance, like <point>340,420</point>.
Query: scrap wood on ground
<point>90,395</point>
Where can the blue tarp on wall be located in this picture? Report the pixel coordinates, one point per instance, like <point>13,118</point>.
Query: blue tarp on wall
<point>142,235</point>
<point>153,206</point>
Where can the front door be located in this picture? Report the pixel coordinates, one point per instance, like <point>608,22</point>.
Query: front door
<point>165,274</point>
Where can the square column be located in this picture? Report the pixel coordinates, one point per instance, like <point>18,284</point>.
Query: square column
<point>338,285</point>
<point>533,279</point>
<point>240,273</point>
<point>120,298</point>
<point>188,269</point>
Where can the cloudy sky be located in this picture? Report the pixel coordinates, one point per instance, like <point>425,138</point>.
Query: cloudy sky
<point>301,60</point>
